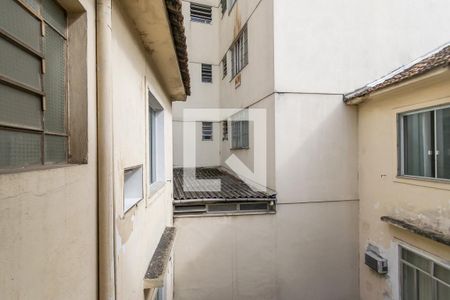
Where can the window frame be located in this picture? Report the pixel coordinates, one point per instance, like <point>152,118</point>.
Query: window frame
<point>431,274</point>
<point>204,20</point>
<point>205,125</point>
<point>239,52</point>
<point>225,66</point>
<point>44,133</point>
<point>239,139</point>
<point>156,142</point>
<point>204,76</point>
<point>401,143</point>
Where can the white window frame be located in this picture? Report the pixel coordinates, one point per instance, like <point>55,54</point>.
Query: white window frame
<point>156,143</point>
<point>240,131</point>
<point>433,261</point>
<point>401,142</point>
<point>239,52</point>
<point>207,131</point>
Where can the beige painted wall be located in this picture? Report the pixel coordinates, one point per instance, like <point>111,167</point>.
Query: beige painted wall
<point>382,193</point>
<point>138,230</point>
<point>48,219</point>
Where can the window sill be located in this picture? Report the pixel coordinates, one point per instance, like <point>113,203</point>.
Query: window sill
<point>424,181</point>
<point>240,148</point>
<point>38,168</point>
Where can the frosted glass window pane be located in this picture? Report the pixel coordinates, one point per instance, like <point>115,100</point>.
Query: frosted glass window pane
<point>19,149</point>
<point>416,260</point>
<point>20,108</point>
<point>419,144</point>
<point>54,81</point>
<point>425,286</point>
<point>55,15</point>
<point>18,22</point>
<point>55,149</point>
<point>443,142</point>
<point>35,4</point>
<point>408,291</point>
<point>443,292</point>
<point>442,273</point>
<point>19,65</point>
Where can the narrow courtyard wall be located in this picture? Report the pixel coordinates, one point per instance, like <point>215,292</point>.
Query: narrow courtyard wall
<point>48,218</point>
<point>138,229</point>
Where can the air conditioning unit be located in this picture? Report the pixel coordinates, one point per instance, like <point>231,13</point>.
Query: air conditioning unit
<point>376,262</point>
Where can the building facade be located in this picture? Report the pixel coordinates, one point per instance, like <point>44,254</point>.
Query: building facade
<point>295,60</point>
<point>86,91</point>
<point>404,152</point>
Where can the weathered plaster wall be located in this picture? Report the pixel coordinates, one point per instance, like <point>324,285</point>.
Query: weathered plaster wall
<point>337,46</point>
<point>303,252</point>
<point>382,193</point>
<point>137,231</point>
<point>48,219</point>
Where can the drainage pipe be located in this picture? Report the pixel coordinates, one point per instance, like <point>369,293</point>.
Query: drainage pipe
<point>106,258</point>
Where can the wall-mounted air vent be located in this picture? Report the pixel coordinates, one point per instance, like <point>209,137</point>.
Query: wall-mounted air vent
<point>376,262</point>
<point>201,13</point>
<point>206,73</point>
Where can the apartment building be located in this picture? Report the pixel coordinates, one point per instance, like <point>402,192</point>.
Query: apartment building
<point>86,91</point>
<point>404,154</point>
<point>294,60</point>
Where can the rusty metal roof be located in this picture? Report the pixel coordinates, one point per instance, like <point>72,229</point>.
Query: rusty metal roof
<point>231,187</point>
<point>437,58</point>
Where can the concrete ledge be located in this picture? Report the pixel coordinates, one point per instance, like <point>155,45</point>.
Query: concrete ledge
<point>419,228</point>
<point>154,277</point>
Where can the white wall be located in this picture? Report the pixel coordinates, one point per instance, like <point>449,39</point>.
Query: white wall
<point>337,46</point>
<point>138,230</point>
<point>207,153</point>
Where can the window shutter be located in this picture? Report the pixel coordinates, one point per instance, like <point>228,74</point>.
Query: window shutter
<point>201,13</point>
<point>206,73</point>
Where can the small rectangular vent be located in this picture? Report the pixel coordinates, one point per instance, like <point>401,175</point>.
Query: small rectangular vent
<point>376,262</point>
<point>254,206</point>
<point>201,13</point>
<point>206,73</point>
<point>222,207</point>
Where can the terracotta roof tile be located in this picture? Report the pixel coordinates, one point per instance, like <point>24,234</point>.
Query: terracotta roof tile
<point>433,60</point>
<point>179,38</point>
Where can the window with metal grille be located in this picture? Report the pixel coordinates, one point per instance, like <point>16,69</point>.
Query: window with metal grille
<point>240,130</point>
<point>33,106</point>
<point>425,143</point>
<point>423,277</point>
<point>201,13</point>
<point>206,73</point>
<point>207,131</point>
<point>224,66</point>
<point>223,5</point>
<point>239,52</point>
<point>225,130</point>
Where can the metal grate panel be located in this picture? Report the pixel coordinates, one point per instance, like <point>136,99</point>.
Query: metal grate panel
<point>54,81</point>
<point>18,65</point>
<point>19,108</point>
<point>18,22</point>
<point>19,148</point>
<point>55,149</point>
